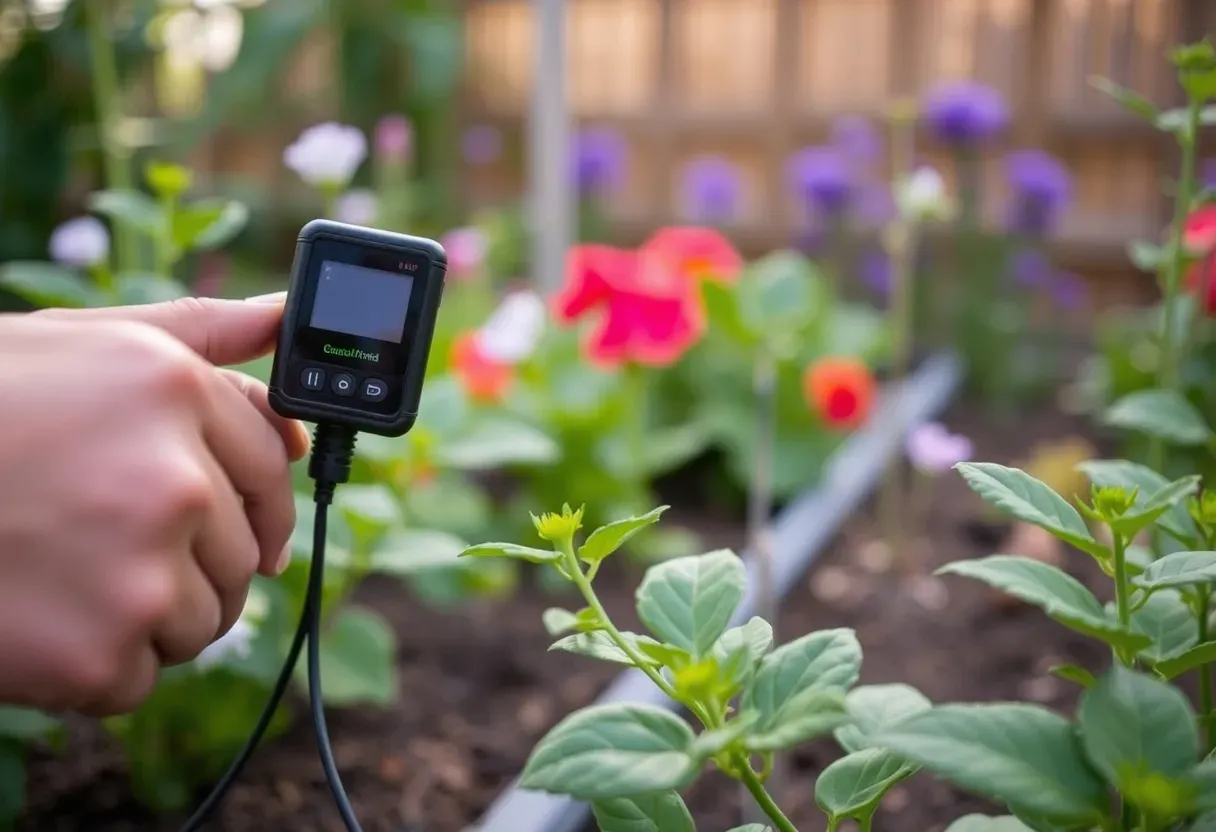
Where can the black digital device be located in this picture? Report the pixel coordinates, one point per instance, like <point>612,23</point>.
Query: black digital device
<point>357,327</point>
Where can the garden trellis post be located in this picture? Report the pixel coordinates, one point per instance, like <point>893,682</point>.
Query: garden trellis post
<point>552,202</point>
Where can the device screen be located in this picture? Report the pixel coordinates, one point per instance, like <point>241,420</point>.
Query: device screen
<point>367,303</point>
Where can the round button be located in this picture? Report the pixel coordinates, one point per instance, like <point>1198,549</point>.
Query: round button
<point>374,390</point>
<point>343,384</point>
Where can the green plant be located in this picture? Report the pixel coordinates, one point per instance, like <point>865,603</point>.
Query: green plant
<point>18,726</point>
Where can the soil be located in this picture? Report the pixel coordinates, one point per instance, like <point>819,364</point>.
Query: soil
<point>479,688</point>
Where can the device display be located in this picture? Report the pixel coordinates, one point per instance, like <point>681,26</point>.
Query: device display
<point>369,303</point>
<point>357,327</point>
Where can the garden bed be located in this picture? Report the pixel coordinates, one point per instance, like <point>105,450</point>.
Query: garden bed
<point>479,688</point>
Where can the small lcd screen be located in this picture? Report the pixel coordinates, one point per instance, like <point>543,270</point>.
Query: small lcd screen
<point>368,303</point>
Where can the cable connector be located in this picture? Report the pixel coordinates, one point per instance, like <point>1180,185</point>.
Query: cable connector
<point>333,450</point>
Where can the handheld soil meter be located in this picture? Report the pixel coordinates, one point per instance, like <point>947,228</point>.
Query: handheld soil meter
<point>361,309</point>
<point>351,356</point>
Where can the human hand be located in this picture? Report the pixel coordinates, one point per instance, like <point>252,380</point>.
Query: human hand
<point>141,488</point>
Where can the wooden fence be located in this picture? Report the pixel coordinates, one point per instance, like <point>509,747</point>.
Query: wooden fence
<point>754,80</point>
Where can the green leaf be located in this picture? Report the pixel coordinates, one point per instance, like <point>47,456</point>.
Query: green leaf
<point>25,724</point>
<point>778,298</point>
<point>687,602</point>
<point>372,505</point>
<point>1145,481</point>
<point>1164,414</point>
<point>12,781</point>
<point>133,288</point>
<point>1204,823</point>
<point>751,827</point>
<point>1146,256</point>
<point>714,742</point>
<point>132,209</point>
<point>741,649</point>
<point>1026,498</point>
<point>1130,100</point>
<point>852,786</point>
<point>497,442</point>
<point>1019,754</point>
<point>1197,656</point>
<point>599,645</point>
<point>873,708</point>
<point>1131,724</point>
<point>408,552</point>
<point>558,621</point>
<point>209,225</point>
<point>607,539</point>
<point>984,823</point>
<point>654,812</point>
<point>1168,621</point>
<point>615,750</point>
<point>1054,591</point>
<point>1178,569</point>
<point>1146,512</point>
<point>722,308</point>
<point>805,716</point>
<point>1074,673</point>
<point>1176,120</point>
<point>358,659</point>
<point>511,550</point>
<point>48,284</point>
<point>828,660</point>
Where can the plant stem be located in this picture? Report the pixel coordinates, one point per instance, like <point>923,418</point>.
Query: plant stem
<point>761,796</point>
<point>636,393</point>
<point>1206,705</point>
<point>1167,370</point>
<point>1121,590</point>
<point>865,823</point>
<point>106,93</point>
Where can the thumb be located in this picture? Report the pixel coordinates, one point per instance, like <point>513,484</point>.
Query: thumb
<point>221,331</point>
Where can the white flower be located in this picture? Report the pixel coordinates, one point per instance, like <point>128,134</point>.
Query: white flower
<point>236,643</point>
<point>357,207</point>
<point>511,333</point>
<point>327,154</point>
<point>81,242</point>
<point>466,249</point>
<point>922,195</point>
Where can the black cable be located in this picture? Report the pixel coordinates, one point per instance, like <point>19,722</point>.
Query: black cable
<point>329,466</point>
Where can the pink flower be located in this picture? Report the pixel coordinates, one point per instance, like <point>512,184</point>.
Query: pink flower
<point>466,248</point>
<point>698,253</point>
<point>394,137</point>
<point>932,449</point>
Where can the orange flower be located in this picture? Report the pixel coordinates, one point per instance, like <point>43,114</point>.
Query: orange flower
<point>484,380</point>
<point>648,313</point>
<point>841,390</point>
<point>698,253</point>
<point>1199,236</point>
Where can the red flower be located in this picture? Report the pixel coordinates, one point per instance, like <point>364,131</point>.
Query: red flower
<point>648,313</point>
<point>699,253</point>
<point>841,390</point>
<point>1199,237</point>
<point>484,380</point>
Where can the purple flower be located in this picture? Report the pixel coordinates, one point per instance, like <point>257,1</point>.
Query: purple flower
<point>1209,173</point>
<point>598,160</point>
<point>934,450</point>
<point>857,140</point>
<point>821,177</point>
<point>1041,189</point>
<point>965,112</point>
<point>875,272</point>
<point>1031,268</point>
<point>481,145</point>
<point>1069,291</point>
<point>394,137</point>
<point>711,186</point>
<point>875,205</point>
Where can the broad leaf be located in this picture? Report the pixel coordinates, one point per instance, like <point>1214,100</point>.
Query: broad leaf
<point>558,621</point>
<point>654,812</point>
<point>1019,754</point>
<point>687,602</point>
<point>134,288</point>
<point>616,750</point>
<point>1165,414</point>
<point>873,708</point>
<point>829,660</point>
<point>1197,656</point>
<point>1168,621</point>
<point>495,442</point>
<point>1074,673</point>
<point>407,552</point>
<point>1054,591</point>
<point>1178,569</point>
<point>607,539</point>
<point>1155,505</point>
<point>372,505</point>
<point>1026,498</point>
<point>511,550</point>
<point>809,714</point>
<point>133,209</point>
<point>48,284</point>
<point>25,724</point>
<point>983,823</point>
<point>599,645</point>
<point>852,786</point>
<point>358,659</point>
<point>741,649</point>
<point>225,225</point>
<point>1133,476</point>
<point>1130,723</point>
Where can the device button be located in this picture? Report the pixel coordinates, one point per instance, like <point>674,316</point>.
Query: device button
<point>313,378</point>
<point>343,384</point>
<point>374,390</point>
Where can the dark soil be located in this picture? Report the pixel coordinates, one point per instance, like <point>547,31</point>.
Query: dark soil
<point>479,688</point>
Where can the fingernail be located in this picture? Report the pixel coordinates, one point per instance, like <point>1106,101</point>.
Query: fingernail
<point>273,297</point>
<point>284,560</point>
